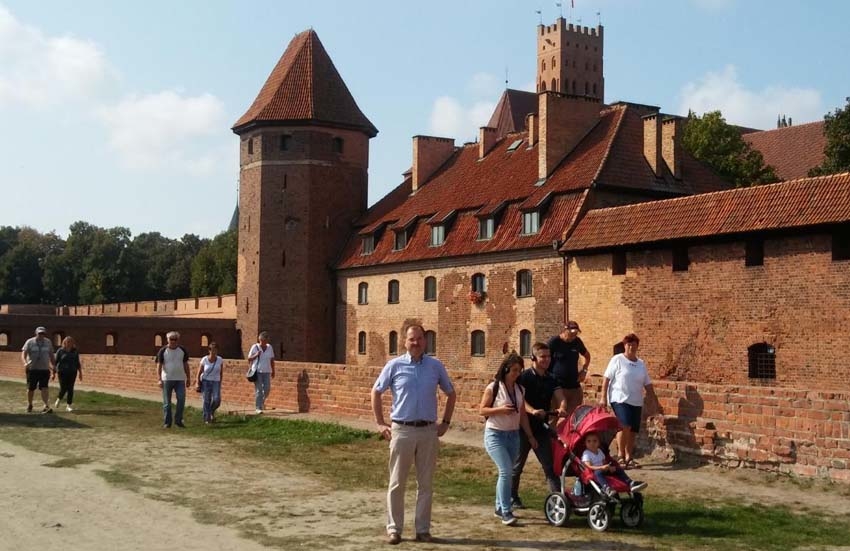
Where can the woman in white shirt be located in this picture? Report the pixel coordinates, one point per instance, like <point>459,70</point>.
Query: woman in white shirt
<point>626,379</point>
<point>209,382</point>
<point>503,406</point>
<point>262,355</point>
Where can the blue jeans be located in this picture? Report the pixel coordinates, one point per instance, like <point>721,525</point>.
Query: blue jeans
<point>262,387</point>
<point>212,397</point>
<point>178,388</point>
<point>503,448</point>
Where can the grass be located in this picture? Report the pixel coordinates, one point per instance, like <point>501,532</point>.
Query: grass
<point>465,475</point>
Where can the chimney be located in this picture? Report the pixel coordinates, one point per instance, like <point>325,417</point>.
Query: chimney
<point>486,140</point>
<point>652,143</point>
<point>532,124</point>
<point>564,121</point>
<point>429,154</point>
<point>671,145</point>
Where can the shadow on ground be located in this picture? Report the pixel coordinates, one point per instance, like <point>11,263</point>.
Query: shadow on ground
<point>37,420</point>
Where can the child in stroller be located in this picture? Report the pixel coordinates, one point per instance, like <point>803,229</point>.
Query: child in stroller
<point>596,497</point>
<point>597,461</point>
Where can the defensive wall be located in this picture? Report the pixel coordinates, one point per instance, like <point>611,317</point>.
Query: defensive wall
<point>223,307</point>
<point>798,432</point>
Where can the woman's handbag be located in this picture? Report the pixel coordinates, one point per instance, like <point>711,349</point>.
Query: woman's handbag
<point>251,375</point>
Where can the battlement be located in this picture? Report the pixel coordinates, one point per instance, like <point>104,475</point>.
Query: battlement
<point>561,26</point>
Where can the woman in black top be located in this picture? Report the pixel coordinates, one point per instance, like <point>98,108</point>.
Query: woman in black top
<point>68,366</point>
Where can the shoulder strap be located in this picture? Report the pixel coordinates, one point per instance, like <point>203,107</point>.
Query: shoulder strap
<point>495,391</point>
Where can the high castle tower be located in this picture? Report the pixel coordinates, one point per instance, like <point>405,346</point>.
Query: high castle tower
<point>304,154</point>
<point>569,59</point>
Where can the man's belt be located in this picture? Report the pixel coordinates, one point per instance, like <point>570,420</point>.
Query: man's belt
<point>414,423</point>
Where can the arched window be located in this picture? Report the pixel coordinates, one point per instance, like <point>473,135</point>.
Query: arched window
<point>542,85</point>
<point>762,361</point>
<point>523,283</point>
<point>57,339</point>
<point>554,85</point>
<point>479,283</point>
<point>477,343</point>
<point>543,65</point>
<point>586,88</point>
<point>158,340</point>
<point>392,291</point>
<point>525,343</point>
<point>338,145</point>
<point>430,343</point>
<point>430,288</point>
<point>110,340</point>
<point>553,63</point>
<point>361,342</point>
<point>4,339</point>
<point>393,343</point>
<point>205,339</point>
<point>363,293</point>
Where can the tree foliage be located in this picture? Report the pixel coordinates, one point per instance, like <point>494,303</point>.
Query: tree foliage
<point>95,265</point>
<point>713,141</point>
<point>836,128</point>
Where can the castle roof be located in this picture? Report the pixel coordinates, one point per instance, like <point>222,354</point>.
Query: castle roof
<point>504,184</point>
<point>793,150</point>
<point>794,204</point>
<point>513,107</point>
<point>305,88</point>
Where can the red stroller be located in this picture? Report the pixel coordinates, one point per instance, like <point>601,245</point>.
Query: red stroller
<point>568,445</point>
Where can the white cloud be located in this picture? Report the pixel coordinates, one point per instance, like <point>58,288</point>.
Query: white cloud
<point>482,85</point>
<point>40,71</point>
<point>757,109</point>
<point>163,129</point>
<point>451,119</point>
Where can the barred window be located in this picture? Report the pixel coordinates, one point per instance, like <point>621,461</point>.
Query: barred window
<point>762,361</point>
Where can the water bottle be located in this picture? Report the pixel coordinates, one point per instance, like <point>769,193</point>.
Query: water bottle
<point>577,488</point>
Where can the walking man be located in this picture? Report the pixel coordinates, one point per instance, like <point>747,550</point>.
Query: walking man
<point>413,379</point>
<point>565,349</point>
<point>539,399</point>
<point>37,356</point>
<point>172,363</point>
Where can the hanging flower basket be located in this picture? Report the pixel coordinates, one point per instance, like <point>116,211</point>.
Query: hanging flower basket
<point>476,297</point>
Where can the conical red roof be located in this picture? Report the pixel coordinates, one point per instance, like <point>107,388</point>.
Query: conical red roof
<point>305,87</point>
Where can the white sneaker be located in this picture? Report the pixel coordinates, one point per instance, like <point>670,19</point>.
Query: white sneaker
<point>259,412</point>
<point>56,403</point>
<point>69,408</point>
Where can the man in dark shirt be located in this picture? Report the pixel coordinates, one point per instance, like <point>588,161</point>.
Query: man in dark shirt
<point>539,392</point>
<point>565,349</point>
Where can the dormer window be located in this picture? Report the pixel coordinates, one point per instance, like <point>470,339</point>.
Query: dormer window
<point>486,228</point>
<point>400,240</point>
<point>368,244</point>
<point>530,222</point>
<point>438,235</point>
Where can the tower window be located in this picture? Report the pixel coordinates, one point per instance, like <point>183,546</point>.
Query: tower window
<point>477,343</point>
<point>543,65</point>
<point>618,263</point>
<point>363,293</point>
<point>680,259</point>
<point>754,254</point>
<point>479,283</point>
<point>430,343</point>
<point>361,342</point>
<point>486,228</point>
<point>285,142</point>
<point>761,361</point>
<point>553,63</point>
<point>523,283</point>
<point>393,343</point>
<point>525,343</point>
<point>392,291</point>
<point>430,289</point>
<point>338,145</point>
<point>250,146</point>
<point>542,85</point>
<point>554,85</point>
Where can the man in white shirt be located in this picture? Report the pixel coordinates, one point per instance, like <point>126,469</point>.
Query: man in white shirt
<point>172,363</point>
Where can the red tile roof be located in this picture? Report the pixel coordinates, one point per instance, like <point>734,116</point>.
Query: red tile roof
<point>513,107</point>
<point>792,150</point>
<point>798,203</point>
<point>305,87</point>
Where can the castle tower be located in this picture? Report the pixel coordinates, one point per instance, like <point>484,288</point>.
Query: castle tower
<point>304,154</point>
<point>569,59</point>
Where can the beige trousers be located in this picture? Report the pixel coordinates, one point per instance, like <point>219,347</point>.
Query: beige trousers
<point>411,446</point>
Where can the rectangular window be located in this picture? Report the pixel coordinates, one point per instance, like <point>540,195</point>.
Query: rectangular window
<point>250,146</point>
<point>618,263</point>
<point>486,228</point>
<point>285,141</point>
<point>841,244</point>
<point>438,235</point>
<point>368,244</point>
<point>754,253</point>
<point>680,259</point>
<point>530,222</point>
<point>400,240</point>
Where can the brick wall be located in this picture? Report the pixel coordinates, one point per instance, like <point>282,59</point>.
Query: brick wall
<point>799,432</point>
<point>223,306</point>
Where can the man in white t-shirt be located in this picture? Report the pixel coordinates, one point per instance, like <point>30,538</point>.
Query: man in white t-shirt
<point>172,363</point>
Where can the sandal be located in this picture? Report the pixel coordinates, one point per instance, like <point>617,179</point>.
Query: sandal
<point>631,464</point>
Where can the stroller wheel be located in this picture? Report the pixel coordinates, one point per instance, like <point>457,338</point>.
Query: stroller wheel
<point>631,513</point>
<point>599,516</point>
<point>556,509</point>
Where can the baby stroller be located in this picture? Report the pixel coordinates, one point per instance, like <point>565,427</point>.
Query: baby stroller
<point>590,500</point>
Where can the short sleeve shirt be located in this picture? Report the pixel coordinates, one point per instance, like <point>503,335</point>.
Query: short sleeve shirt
<point>414,387</point>
<point>627,379</point>
<point>565,355</point>
<point>38,353</point>
<point>264,360</point>
<point>596,459</point>
<point>539,390</point>
<point>509,422</point>
<point>172,363</point>
<point>211,369</point>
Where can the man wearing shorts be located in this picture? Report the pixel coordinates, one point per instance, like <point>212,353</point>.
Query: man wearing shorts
<point>37,356</point>
<point>566,349</point>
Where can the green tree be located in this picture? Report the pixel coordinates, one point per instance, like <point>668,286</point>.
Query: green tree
<point>20,275</point>
<point>718,144</point>
<point>836,128</point>
<point>214,266</point>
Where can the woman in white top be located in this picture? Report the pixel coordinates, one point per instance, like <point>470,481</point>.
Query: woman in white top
<point>626,379</point>
<point>262,354</point>
<point>503,406</point>
<point>209,382</point>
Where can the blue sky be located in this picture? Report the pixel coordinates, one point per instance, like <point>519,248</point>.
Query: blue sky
<point>119,113</point>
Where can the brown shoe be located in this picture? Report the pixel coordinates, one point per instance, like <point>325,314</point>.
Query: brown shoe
<point>393,538</point>
<point>425,537</point>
